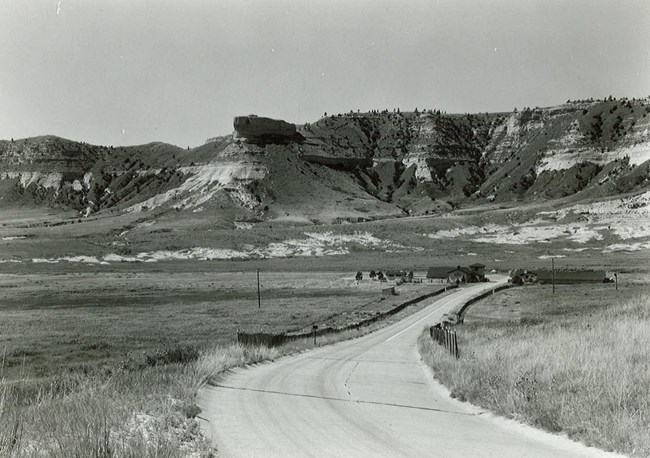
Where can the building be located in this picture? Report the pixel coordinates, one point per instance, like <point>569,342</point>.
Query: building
<point>439,273</point>
<point>464,275</point>
<point>392,274</point>
<point>479,270</point>
<point>568,277</point>
<point>472,274</point>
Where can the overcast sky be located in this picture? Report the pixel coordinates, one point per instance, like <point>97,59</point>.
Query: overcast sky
<point>133,71</point>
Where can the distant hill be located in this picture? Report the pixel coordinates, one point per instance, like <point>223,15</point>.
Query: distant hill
<point>354,166</point>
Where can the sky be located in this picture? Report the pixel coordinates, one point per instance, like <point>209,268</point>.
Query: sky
<point>125,72</point>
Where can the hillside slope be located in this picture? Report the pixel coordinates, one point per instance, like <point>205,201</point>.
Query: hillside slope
<point>580,148</point>
<point>355,166</point>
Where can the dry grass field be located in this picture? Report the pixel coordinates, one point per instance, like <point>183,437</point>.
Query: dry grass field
<point>109,364</point>
<point>574,362</point>
<point>77,322</point>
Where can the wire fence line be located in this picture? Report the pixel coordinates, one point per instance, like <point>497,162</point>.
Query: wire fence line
<point>270,339</point>
<point>444,335</point>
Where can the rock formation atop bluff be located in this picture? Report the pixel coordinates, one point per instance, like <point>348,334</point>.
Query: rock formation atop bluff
<point>262,131</point>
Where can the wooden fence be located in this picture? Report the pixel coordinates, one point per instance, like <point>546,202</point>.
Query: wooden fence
<point>276,339</point>
<point>445,337</point>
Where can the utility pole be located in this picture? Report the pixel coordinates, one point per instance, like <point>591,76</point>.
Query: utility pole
<point>616,279</point>
<point>553,270</point>
<point>259,300</point>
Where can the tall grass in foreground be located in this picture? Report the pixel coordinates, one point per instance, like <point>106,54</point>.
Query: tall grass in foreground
<point>586,376</point>
<point>143,409</point>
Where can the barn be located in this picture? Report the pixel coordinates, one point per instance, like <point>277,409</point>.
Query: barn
<point>568,277</point>
<point>439,273</point>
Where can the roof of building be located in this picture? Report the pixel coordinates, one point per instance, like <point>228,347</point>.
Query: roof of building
<point>572,275</point>
<point>464,270</point>
<point>439,272</point>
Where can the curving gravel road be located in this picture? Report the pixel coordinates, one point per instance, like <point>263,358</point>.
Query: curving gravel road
<point>370,396</point>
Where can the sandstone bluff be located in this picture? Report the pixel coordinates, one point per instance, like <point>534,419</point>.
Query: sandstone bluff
<point>353,166</point>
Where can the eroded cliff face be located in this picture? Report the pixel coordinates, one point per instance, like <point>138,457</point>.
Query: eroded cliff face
<point>357,166</point>
<point>86,178</point>
<point>594,147</point>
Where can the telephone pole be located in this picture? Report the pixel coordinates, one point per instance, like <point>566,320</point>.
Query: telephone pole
<point>259,300</point>
<point>553,272</point>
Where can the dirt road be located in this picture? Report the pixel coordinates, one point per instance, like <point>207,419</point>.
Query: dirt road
<point>370,396</point>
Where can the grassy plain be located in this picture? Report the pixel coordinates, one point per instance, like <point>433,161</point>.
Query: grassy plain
<point>79,321</point>
<point>108,364</point>
<point>574,362</point>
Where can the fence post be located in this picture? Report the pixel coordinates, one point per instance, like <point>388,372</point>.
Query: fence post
<point>445,338</point>
<point>451,343</point>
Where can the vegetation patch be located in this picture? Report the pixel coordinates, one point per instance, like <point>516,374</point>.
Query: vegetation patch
<point>138,409</point>
<point>575,362</point>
